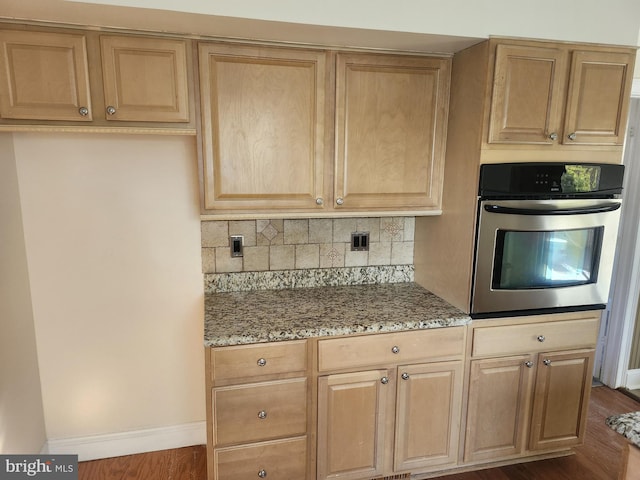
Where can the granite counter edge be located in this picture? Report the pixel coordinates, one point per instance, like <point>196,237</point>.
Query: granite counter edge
<point>306,333</point>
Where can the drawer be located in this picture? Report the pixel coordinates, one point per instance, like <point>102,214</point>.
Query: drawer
<point>390,348</point>
<point>535,337</point>
<point>259,411</point>
<point>278,460</point>
<point>233,364</point>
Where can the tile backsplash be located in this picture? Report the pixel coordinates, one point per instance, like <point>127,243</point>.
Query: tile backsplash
<point>271,245</point>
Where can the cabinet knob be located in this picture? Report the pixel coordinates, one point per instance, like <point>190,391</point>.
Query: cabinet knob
<point>319,201</point>
<point>261,362</point>
<point>572,136</point>
<point>405,376</point>
<point>547,362</point>
<point>528,364</point>
<point>262,473</point>
<point>84,111</point>
<point>262,414</point>
<point>339,200</point>
<point>395,349</point>
<point>541,338</point>
<point>553,136</point>
<point>111,110</point>
<point>384,380</point>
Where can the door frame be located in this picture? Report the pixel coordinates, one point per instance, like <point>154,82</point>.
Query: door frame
<point>618,320</point>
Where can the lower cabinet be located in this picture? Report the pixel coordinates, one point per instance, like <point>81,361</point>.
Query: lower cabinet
<point>386,421</point>
<point>389,405</point>
<point>527,404</point>
<point>258,412</point>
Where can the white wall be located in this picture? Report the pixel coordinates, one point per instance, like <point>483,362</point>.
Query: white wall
<point>21,417</point>
<point>112,235</point>
<point>614,21</point>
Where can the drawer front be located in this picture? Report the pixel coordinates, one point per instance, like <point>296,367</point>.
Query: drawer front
<point>231,364</point>
<point>260,411</point>
<point>276,460</point>
<point>390,348</point>
<point>535,337</point>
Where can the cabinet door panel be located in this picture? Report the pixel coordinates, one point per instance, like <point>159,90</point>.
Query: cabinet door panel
<point>44,76</point>
<point>528,93</point>
<point>428,415</point>
<point>390,129</point>
<point>597,103</point>
<point>499,406</point>
<point>145,79</point>
<point>351,413</point>
<point>563,385</point>
<point>263,113</point>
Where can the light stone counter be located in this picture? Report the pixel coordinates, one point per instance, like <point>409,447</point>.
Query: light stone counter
<point>237,318</point>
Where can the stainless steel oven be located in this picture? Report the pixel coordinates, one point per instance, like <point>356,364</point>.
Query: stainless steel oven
<point>546,237</point>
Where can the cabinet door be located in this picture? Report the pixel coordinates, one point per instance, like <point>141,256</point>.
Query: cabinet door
<point>563,386</point>
<point>499,407</point>
<point>263,120</point>
<point>391,117</point>
<point>598,98</point>
<point>528,94</point>
<point>145,79</point>
<point>44,76</point>
<point>351,416</point>
<point>428,415</point>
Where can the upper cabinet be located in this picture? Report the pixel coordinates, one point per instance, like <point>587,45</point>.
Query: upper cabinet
<point>291,130</point>
<point>50,77</point>
<point>559,95</point>
<point>45,76</point>
<point>263,127</point>
<point>391,114</point>
<point>145,79</point>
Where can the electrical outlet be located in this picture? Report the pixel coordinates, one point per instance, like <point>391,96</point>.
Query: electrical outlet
<point>360,242</point>
<point>237,244</point>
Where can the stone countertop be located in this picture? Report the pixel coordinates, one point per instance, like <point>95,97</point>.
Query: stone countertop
<point>627,424</point>
<point>238,318</point>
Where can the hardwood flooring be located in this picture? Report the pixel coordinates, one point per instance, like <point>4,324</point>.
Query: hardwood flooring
<point>600,458</point>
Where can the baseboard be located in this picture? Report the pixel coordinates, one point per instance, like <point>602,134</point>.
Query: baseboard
<point>129,443</point>
<point>632,381</point>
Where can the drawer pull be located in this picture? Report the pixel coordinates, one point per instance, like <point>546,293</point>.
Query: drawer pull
<point>261,362</point>
<point>262,473</point>
<point>384,380</point>
<point>405,376</point>
<point>541,338</point>
<point>395,349</point>
<point>262,414</point>
<point>547,362</point>
<point>528,364</point>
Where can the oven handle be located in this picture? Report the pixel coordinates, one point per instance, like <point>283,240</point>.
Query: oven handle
<point>558,211</point>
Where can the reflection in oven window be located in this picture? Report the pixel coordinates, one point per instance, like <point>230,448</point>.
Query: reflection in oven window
<point>534,259</point>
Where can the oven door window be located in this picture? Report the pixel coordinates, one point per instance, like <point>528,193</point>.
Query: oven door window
<point>539,259</point>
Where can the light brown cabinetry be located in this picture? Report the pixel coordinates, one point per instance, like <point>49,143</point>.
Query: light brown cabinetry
<point>550,95</point>
<point>263,127</point>
<point>391,114</point>
<point>402,417</point>
<point>45,76</point>
<point>59,77</point>
<point>525,402</point>
<point>268,113</point>
<point>517,101</point>
<point>258,411</point>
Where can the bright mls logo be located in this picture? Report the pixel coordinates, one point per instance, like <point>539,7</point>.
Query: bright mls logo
<point>50,467</point>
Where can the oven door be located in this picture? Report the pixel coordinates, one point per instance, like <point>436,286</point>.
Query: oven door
<point>544,254</point>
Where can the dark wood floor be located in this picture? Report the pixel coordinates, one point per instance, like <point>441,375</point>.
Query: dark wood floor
<point>598,459</point>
